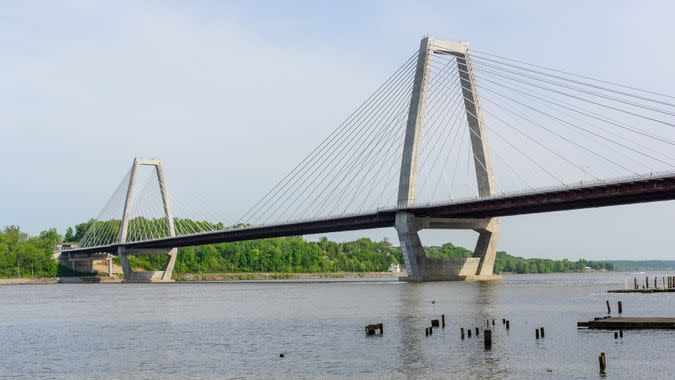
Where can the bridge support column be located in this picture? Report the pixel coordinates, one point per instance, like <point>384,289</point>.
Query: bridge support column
<point>132,276</point>
<point>422,268</point>
<point>150,276</point>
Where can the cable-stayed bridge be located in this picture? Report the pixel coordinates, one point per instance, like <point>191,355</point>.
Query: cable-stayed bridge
<point>455,139</point>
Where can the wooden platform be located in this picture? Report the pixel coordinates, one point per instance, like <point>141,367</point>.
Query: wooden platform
<point>629,323</point>
<point>651,290</point>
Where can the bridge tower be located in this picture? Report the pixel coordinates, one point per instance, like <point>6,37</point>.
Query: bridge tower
<point>150,276</point>
<point>419,267</point>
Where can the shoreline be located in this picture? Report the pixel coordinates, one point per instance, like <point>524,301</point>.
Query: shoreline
<point>205,277</point>
<point>220,277</point>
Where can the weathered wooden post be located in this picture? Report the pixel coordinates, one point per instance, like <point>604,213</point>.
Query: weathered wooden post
<point>493,322</point>
<point>616,335</point>
<point>609,311</point>
<point>541,331</point>
<point>620,307</point>
<point>603,362</point>
<point>507,325</point>
<point>477,331</point>
<point>536,333</point>
<point>426,331</point>
<point>431,331</point>
<point>443,320</point>
<point>503,321</point>
<point>647,282</point>
<point>461,333</point>
<point>635,282</point>
<point>656,278</point>
<point>620,333</point>
<point>487,339</point>
<point>468,333</point>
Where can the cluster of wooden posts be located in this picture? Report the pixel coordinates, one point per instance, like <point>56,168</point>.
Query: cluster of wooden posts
<point>464,333</point>
<point>667,282</point>
<point>619,307</point>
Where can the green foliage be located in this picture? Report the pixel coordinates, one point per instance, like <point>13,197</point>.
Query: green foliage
<point>508,263</point>
<point>643,265</point>
<point>24,256</point>
<point>288,255</point>
<point>447,251</point>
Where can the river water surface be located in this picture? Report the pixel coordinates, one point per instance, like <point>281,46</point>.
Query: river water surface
<point>238,330</point>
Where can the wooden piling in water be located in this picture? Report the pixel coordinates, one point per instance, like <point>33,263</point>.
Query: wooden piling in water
<point>431,331</point>
<point>541,331</point>
<point>468,333</point>
<point>370,329</point>
<point>487,339</point>
<point>603,362</point>
<point>647,282</point>
<point>426,331</point>
<point>616,335</point>
<point>635,282</point>
<point>609,311</point>
<point>620,333</point>
<point>507,325</point>
<point>461,333</point>
<point>477,331</point>
<point>620,307</point>
<point>442,320</point>
<point>503,321</point>
<point>536,333</point>
<point>493,322</point>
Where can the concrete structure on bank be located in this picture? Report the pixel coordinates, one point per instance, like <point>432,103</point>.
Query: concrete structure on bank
<point>418,265</point>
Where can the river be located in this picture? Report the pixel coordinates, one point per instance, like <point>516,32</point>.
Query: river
<point>239,330</point>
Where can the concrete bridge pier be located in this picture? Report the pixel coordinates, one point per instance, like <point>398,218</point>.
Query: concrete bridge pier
<point>421,268</point>
<point>132,276</point>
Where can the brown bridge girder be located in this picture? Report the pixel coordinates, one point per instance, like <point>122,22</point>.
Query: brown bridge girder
<point>611,194</point>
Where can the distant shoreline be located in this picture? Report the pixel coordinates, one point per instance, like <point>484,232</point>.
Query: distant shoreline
<point>243,276</point>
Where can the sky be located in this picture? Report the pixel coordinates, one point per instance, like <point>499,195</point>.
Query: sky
<point>232,94</point>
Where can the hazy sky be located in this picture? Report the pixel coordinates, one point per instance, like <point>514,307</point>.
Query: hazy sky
<point>231,95</point>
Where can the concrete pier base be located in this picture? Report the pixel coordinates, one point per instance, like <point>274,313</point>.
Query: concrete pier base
<point>421,268</point>
<point>132,276</point>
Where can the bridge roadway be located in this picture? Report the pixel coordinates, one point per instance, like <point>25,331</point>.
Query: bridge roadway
<point>620,192</point>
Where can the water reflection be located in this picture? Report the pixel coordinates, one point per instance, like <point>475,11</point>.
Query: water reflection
<point>467,305</point>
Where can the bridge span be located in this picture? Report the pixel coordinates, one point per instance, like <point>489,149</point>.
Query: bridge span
<point>584,127</point>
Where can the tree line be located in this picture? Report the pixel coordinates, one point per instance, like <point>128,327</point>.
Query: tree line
<point>23,255</point>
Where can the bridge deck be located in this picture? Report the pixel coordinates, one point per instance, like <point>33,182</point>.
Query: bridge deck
<point>639,190</point>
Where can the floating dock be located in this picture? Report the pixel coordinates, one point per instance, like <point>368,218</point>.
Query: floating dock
<point>651,290</point>
<point>629,323</point>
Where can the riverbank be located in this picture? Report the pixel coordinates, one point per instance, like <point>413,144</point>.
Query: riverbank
<point>282,276</point>
<point>204,277</point>
<point>60,280</point>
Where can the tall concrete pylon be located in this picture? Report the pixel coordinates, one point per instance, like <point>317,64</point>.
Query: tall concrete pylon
<point>150,276</point>
<point>418,266</point>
